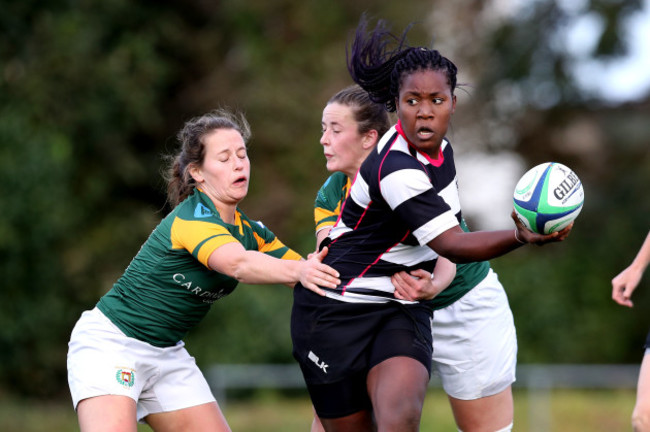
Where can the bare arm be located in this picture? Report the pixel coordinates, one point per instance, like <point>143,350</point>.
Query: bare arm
<point>460,246</point>
<point>443,273</point>
<point>258,268</point>
<point>624,284</point>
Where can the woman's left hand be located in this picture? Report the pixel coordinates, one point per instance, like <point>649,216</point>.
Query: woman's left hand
<point>413,286</point>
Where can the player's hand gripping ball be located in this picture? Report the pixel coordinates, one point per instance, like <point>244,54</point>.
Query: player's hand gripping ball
<point>548,197</point>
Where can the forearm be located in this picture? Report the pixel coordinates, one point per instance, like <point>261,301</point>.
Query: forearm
<point>258,268</point>
<point>253,267</point>
<point>444,272</point>
<point>462,247</point>
<point>642,258</point>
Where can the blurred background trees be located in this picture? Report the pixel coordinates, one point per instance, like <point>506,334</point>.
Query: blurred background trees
<point>92,94</point>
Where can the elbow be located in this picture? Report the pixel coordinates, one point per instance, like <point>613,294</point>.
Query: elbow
<point>238,275</point>
<point>240,270</point>
<point>235,268</point>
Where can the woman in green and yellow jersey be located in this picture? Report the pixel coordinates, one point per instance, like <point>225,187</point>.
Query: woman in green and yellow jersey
<point>126,360</point>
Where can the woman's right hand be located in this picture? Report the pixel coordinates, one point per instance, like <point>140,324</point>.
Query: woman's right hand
<point>524,235</point>
<point>314,274</point>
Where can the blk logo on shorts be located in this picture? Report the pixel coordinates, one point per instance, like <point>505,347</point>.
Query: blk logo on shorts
<point>321,364</point>
<point>125,377</point>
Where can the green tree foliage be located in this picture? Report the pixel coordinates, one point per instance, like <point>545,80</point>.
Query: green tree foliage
<point>562,293</point>
<point>92,94</point>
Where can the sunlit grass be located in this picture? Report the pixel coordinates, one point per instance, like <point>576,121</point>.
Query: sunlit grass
<point>558,410</point>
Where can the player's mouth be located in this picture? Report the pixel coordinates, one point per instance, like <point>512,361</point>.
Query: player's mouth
<point>240,181</point>
<point>424,133</point>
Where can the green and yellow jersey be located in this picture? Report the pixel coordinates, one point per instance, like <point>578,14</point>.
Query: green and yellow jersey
<point>329,199</point>
<point>327,208</point>
<point>168,287</point>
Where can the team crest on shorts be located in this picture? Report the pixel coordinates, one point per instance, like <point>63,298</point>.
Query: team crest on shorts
<point>125,377</point>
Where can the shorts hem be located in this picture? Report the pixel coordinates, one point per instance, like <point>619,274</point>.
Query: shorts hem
<point>483,393</point>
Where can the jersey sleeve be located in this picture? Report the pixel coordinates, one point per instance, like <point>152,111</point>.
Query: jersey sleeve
<point>329,199</point>
<point>200,238</point>
<point>269,244</point>
<point>407,189</point>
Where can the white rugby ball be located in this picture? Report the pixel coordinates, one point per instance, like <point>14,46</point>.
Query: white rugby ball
<point>548,197</point>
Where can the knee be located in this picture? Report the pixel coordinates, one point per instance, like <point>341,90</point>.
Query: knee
<point>641,419</point>
<point>404,416</point>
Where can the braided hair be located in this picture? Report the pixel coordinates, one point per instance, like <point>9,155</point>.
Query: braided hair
<point>380,71</point>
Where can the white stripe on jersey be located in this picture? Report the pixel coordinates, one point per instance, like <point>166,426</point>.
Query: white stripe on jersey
<point>359,193</point>
<point>378,283</point>
<point>361,298</point>
<point>435,227</point>
<point>339,229</point>
<point>451,196</point>
<point>409,255</point>
<point>396,191</point>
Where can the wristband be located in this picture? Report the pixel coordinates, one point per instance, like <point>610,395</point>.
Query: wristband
<point>517,238</point>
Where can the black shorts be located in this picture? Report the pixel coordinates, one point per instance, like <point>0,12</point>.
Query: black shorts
<point>337,343</point>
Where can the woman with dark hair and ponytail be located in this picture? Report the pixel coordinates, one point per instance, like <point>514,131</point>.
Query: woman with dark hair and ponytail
<point>126,359</point>
<point>365,353</point>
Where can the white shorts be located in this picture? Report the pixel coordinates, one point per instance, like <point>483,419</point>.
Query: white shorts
<point>104,361</point>
<point>475,343</point>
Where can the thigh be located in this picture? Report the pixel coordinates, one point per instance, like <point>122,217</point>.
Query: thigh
<point>107,414</point>
<point>397,388</point>
<point>643,385</point>
<point>486,414</point>
<point>475,343</point>
<point>200,418</point>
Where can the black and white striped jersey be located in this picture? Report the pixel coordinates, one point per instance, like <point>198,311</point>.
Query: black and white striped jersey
<point>399,201</point>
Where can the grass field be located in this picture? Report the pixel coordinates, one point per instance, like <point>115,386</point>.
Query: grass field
<point>560,410</point>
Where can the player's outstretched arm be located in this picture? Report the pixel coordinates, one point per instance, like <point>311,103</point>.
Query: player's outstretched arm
<point>624,284</point>
<point>460,247</point>
<point>254,267</point>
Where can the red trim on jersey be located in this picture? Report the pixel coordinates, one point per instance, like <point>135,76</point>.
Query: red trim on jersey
<point>435,162</point>
<point>381,164</point>
<point>373,263</point>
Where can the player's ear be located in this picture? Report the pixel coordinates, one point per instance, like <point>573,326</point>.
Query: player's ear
<point>195,172</point>
<point>369,139</point>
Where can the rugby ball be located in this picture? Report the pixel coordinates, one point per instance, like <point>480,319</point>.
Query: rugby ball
<point>548,197</point>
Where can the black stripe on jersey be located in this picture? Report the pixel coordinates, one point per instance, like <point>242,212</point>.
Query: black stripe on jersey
<point>371,239</point>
